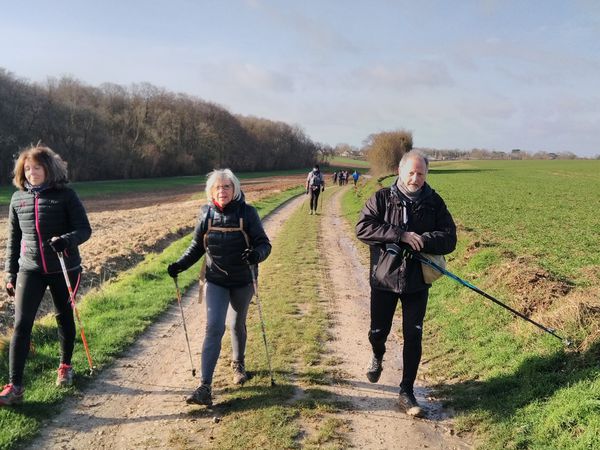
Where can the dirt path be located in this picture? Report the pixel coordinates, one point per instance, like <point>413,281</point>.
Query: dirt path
<point>376,420</point>
<point>138,402</point>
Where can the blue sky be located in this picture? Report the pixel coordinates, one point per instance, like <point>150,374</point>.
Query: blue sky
<point>465,74</point>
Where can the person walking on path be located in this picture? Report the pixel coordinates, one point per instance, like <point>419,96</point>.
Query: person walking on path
<point>230,233</point>
<point>315,183</point>
<point>45,217</point>
<point>412,215</point>
<point>355,176</point>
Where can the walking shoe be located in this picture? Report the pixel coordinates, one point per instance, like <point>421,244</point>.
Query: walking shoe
<point>311,213</point>
<point>65,375</point>
<point>239,372</point>
<point>11,395</point>
<point>408,403</point>
<point>374,370</point>
<point>201,396</point>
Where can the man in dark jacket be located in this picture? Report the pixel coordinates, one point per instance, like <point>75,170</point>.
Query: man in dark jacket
<point>408,215</point>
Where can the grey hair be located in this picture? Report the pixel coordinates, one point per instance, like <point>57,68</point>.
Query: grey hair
<point>218,174</point>
<point>413,154</point>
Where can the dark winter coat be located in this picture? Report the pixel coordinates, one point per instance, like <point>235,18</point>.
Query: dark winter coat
<point>224,264</point>
<point>381,222</point>
<point>33,219</point>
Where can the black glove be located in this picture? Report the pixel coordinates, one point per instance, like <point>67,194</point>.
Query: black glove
<point>174,269</point>
<point>58,245</point>
<point>10,289</point>
<point>250,256</point>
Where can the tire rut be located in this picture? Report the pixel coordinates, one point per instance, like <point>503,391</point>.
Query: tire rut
<point>375,419</point>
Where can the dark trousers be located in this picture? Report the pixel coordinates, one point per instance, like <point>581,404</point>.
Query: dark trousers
<point>383,306</point>
<point>29,292</point>
<point>314,198</point>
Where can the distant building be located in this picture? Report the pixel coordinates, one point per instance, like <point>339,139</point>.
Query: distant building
<point>516,154</point>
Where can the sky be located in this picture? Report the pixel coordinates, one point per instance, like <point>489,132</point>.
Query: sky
<point>465,74</point>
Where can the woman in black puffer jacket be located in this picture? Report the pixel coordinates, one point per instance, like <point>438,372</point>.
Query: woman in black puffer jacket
<point>231,235</point>
<point>45,217</point>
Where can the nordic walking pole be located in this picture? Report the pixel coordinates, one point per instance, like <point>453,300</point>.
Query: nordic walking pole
<point>430,263</point>
<point>72,299</point>
<point>321,202</point>
<point>262,322</point>
<point>184,327</point>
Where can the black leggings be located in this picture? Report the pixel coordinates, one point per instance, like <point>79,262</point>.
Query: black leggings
<point>383,306</point>
<point>29,291</point>
<point>314,198</point>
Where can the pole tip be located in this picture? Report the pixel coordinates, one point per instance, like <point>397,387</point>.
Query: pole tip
<point>567,342</point>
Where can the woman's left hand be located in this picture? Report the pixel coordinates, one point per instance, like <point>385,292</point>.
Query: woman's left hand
<point>58,244</point>
<point>250,256</point>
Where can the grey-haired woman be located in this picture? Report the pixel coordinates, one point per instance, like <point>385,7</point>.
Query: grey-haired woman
<point>231,235</point>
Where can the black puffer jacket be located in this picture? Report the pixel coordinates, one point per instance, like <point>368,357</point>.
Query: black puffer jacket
<point>381,222</point>
<point>224,265</point>
<point>33,219</point>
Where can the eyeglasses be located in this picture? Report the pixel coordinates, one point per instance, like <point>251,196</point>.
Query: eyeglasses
<point>223,187</point>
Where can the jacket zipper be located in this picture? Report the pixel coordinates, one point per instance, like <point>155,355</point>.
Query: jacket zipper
<point>39,233</point>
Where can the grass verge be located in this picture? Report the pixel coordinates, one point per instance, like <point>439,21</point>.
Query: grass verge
<point>512,385</point>
<point>113,317</point>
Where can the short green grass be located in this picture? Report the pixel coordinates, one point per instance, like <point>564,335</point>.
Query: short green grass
<point>341,161</point>
<point>512,385</point>
<point>113,317</point>
<point>545,209</point>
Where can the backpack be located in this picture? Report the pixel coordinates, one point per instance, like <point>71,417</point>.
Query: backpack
<point>316,180</point>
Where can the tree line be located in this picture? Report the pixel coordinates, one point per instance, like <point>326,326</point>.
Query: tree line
<point>116,132</point>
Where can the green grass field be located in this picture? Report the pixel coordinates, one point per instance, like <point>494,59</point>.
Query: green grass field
<point>340,161</point>
<point>544,209</point>
<point>512,385</point>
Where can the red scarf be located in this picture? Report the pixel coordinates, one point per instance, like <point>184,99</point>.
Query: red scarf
<point>218,205</point>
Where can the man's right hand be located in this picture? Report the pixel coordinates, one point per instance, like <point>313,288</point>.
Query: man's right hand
<point>414,240</point>
<point>10,289</point>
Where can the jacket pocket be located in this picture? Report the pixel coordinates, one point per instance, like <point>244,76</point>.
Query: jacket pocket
<point>387,272</point>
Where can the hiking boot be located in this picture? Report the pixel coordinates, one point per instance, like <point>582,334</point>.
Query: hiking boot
<point>311,212</point>
<point>374,370</point>
<point>65,375</point>
<point>11,395</point>
<point>408,403</point>
<point>201,396</point>
<point>239,372</point>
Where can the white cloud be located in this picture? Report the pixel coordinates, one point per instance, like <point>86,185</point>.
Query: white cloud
<point>403,76</point>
